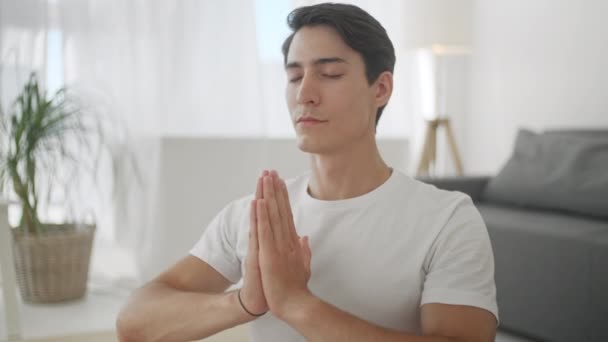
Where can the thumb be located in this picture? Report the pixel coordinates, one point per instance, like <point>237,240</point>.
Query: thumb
<point>306,251</point>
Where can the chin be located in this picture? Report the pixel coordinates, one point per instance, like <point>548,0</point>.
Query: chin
<point>309,145</point>
<point>316,145</point>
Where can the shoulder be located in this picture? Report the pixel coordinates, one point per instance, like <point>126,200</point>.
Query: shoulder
<point>436,212</point>
<point>427,197</point>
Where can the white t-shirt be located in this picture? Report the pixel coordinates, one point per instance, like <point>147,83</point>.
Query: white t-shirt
<point>379,256</point>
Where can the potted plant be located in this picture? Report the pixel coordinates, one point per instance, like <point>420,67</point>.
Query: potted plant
<point>48,144</point>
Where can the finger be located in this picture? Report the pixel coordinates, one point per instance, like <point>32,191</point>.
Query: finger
<point>292,228</point>
<point>274,217</point>
<point>265,236</point>
<point>258,190</point>
<point>283,212</point>
<point>253,231</point>
<point>267,190</point>
<point>306,252</point>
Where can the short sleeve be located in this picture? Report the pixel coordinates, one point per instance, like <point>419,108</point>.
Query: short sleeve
<point>460,265</point>
<point>217,247</point>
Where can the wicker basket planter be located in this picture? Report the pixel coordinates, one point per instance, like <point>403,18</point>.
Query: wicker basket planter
<point>53,267</point>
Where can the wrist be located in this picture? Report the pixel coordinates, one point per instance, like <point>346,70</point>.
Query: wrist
<point>299,308</point>
<point>242,315</point>
<point>245,307</point>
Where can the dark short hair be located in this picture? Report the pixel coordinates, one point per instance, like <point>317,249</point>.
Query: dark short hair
<point>359,30</point>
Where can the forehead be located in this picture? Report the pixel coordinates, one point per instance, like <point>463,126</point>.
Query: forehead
<point>311,43</point>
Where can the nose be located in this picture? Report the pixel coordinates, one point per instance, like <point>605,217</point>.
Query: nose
<point>308,91</point>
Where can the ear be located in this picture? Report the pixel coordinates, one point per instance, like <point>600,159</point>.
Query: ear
<point>383,88</point>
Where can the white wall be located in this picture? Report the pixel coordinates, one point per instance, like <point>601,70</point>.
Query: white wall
<point>538,64</point>
<point>199,176</point>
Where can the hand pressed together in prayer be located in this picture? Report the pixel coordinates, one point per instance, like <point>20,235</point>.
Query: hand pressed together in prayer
<point>277,266</point>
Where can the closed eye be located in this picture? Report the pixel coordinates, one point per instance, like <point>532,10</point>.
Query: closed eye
<point>333,76</point>
<point>295,79</point>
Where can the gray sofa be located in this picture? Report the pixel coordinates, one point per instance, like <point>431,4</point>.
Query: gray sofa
<point>547,216</point>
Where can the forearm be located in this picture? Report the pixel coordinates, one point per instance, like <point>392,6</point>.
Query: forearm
<point>321,321</point>
<point>157,312</point>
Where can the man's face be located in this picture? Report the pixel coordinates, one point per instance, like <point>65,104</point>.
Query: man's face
<point>328,95</point>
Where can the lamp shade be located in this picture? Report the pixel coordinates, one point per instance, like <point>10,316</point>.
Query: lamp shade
<point>431,22</point>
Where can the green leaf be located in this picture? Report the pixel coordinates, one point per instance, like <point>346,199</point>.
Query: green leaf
<point>48,142</point>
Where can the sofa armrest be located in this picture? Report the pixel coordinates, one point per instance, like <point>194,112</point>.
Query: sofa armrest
<point>471,185</point>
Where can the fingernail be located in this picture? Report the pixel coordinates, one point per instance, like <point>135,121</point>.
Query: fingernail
<point>265,173</point>
<point>274,173</point>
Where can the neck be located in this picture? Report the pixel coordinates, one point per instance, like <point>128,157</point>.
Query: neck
<point>348,173</point>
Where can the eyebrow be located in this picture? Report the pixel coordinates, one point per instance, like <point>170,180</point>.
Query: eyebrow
<point>317,62</point>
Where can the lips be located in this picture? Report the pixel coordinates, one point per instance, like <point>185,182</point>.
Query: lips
<point>310,120</point>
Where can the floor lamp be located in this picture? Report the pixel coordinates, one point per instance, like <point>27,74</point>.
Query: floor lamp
<point>429,149</point>
<point>440,121</point>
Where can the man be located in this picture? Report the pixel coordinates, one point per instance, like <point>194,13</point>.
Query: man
<point>352,251</point>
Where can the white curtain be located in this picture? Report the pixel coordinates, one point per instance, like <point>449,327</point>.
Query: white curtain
<point>188,68</point>
<point>22,44</point>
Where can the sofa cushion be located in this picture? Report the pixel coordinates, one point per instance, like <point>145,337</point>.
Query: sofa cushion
<point>599,284</point>
<point>547,261</point>
<point>555,171</point>
<point>583,133</point>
